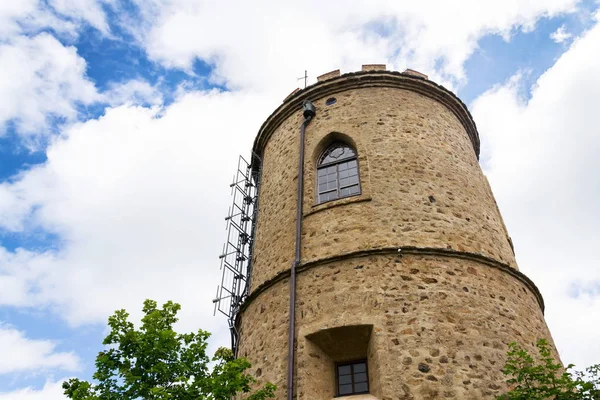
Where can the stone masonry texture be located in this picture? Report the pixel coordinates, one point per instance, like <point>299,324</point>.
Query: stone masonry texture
<point>421,258</point>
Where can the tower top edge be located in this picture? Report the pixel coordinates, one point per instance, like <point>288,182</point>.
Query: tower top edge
<point>372,75</point>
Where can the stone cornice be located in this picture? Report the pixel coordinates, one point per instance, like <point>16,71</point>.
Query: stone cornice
<point>365,79</point>
<point>422,251</point>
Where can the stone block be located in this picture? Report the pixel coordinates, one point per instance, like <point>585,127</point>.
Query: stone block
<point>373,67</point>
<point>415,73</point>
<point>329,75</point>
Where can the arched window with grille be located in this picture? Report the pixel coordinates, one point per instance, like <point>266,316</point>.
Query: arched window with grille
<point>337,173</point>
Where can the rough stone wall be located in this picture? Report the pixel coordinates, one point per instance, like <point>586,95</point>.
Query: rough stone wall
<point>441,325</point>
<point>421,184</point>
<point>275,231</point>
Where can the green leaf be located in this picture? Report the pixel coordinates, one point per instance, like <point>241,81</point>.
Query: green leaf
<point>542,378</point>
<point>156,363</point>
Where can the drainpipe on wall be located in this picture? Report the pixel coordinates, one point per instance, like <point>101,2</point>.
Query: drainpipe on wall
<point>308,112</point>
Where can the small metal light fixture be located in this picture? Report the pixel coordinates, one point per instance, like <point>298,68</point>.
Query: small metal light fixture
<point>308,109</point>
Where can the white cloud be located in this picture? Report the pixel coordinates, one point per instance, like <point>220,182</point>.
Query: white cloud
<point>260,43</point>
<point>65,17</point>
<point>541,156</point>
<point>50,391</point>
<point>13,208</point>
<point>138,198</point>
<point>135,91</point>
<point>560,35</point>
<point>41,78</point>
<point>20,353</point>
<point>21,16</point>
<point>89,11</point>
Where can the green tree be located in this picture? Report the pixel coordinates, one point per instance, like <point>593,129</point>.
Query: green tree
<point>156,363</point>
<point>544,379</point>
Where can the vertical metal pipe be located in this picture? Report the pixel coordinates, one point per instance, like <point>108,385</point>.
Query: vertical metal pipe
<point>292,313</point>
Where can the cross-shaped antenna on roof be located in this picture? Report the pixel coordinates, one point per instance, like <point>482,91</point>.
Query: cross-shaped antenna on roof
<point>305,77</point>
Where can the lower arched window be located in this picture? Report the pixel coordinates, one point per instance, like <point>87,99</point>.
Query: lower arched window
<point>337,173</point>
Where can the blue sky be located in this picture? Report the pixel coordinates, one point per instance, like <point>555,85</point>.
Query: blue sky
<point>120,126</point>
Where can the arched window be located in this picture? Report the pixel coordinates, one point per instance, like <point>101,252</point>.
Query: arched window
<point>337,173</point>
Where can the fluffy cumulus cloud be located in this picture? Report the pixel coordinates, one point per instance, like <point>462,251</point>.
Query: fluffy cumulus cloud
<point>44,81</point>
<point>90,11</point>
<point>266,43</point>
<point>41,78</point>
<point>50,391</point>
<point>541,155</point>
<point>560,35</point>
<point>134,91</point>
<point>271,43</point>
<point>20,353</point>
<point>138,197</point>
<point>64,17</point>
<point>17,17</point>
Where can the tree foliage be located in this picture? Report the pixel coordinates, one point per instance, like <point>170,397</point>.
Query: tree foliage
<point>542,378</point>
<point>156,363</point>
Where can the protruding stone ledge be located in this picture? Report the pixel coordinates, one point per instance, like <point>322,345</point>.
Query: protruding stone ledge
<point>400,250</point>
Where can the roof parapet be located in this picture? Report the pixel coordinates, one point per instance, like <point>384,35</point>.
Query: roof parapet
<point>329,75</point>
<point>412,72</point>
<point>374,67</point>
<point>291,94</point>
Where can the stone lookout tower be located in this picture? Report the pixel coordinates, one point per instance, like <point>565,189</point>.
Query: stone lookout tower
<point>379,234</point>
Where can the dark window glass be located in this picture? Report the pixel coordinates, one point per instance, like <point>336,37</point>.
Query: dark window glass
<point>361,387</point>
<point>330,101</point>
<point>337,173</point>
<point>360,367</point>
<point>346,389</point>
<point>352,378</point>
<point>362,377</point>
